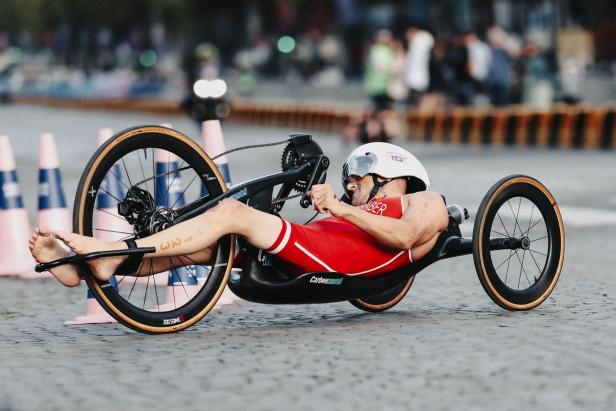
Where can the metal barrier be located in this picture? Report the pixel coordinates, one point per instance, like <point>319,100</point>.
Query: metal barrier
<point>565,127</point>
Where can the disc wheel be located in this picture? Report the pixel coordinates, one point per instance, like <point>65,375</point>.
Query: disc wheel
<point>386,300</point>
<point>170,169</point>
<point>520,210</point>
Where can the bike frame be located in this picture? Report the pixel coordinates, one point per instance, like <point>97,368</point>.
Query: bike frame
<point>262,282</point>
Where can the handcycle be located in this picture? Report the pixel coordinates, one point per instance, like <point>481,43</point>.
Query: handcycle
<point>517,224</point>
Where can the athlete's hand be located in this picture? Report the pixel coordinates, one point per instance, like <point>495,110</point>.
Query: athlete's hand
<point>324,199</point>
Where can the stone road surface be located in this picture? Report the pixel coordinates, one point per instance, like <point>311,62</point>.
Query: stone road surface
<point>446,346</point>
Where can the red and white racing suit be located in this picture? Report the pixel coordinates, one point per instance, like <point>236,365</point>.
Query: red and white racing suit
<point>334,244</point>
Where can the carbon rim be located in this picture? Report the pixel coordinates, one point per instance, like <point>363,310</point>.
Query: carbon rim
<point>519,207</point>
<point>146,304</point>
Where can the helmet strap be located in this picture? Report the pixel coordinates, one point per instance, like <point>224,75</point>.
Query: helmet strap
<point>376,187</point>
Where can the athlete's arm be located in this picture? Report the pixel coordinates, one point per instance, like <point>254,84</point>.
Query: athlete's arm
<point>424,217</point>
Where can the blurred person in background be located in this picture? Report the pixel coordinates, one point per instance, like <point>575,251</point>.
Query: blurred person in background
<point>537,82</point>
<point>383,66</point>
<point>500,73</point>
<point>463,89</point>
<point>442,78</point>
<point>379,70</point>
<point>479,59</point>
<point>417,71</point>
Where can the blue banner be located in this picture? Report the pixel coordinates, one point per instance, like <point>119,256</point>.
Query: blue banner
<point>10,194</point>
<point>50,190</point>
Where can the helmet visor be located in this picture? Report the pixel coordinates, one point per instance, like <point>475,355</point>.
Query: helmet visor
<point>359,166</point>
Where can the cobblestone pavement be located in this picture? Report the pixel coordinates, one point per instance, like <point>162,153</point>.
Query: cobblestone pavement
<point>446,346</point>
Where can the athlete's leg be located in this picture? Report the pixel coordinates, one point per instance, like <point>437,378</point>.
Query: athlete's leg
<point>45,248</point>
<point>189,237</point>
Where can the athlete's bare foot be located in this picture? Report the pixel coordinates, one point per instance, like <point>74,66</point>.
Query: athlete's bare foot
<point>102,268</point>
<point>44,248</point>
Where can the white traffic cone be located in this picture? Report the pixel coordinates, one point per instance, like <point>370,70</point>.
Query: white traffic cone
<point>108,226</point>
<point>214,144</point>
<point>15,257</point>
<point>52,210</point>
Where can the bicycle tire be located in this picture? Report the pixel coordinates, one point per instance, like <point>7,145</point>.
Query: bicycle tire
<point>502,292</point>
<point>112,152</point>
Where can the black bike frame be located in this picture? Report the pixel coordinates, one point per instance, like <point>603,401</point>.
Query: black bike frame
<point>243,192</point>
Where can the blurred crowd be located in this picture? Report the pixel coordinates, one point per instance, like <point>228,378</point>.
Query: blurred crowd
<point>432,55</point>
<point>430,72</point>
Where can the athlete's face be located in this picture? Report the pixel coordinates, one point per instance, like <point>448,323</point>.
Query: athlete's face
<point>360,188</point>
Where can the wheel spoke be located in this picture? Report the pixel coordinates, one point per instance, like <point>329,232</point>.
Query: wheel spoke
<point>190,272</point>
<point>126,171</point>
<point>145,295</point>
<point>522,269</point>
<point>115,215</point>
<point>177,172</point>
<point>118,178</point>
<point>175,305</point>
<point>507,259</point>
<point>508,263</point>
<point>111,195</point>
<point>147,187</point>
<point>501,221</point>
<point>182,194</point>
<point>540,238</point>
<point>132,289</point>
<point>499,233</point>
<point>515,217</point>
<point>537,265</point>
<point>533,226</point>
<point>537,252</point>
<point>154,172</point>
<point>531,217</point>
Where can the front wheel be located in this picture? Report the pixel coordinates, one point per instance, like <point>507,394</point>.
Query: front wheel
<point>520,212</point>
<point>152,171</point>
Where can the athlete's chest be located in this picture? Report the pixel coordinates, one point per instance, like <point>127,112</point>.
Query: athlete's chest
<point>387,207</point>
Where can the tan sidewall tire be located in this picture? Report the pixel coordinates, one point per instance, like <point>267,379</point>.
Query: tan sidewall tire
<point>79,229</point>
<point>359,303</point>
<point>481,269</point>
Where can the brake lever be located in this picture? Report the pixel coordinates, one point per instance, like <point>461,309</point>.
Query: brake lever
<point>319,170</point>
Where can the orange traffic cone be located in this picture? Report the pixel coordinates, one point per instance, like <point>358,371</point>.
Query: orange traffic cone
<point>15,258</point>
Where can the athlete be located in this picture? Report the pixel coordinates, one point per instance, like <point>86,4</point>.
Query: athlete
<point>391,220</point>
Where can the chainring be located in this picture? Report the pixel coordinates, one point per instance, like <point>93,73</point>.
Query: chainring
<point>290,159</point>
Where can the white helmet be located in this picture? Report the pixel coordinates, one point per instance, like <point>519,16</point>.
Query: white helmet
<point>388,161</point>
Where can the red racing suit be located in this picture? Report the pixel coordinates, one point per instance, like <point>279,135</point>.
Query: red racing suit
<point>334,244</point>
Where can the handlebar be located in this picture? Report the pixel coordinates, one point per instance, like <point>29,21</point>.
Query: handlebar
<point>317,177</point>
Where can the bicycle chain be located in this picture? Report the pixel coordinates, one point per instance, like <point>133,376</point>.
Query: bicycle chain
<point>233,150</point>
<point>214,158</point>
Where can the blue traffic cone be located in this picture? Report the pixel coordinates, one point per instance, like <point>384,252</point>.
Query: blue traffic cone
<point>15,258</point>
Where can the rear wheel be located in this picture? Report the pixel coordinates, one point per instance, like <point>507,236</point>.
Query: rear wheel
<point>386,300</point>
<point>163,170</point>
<point>518,210</point>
